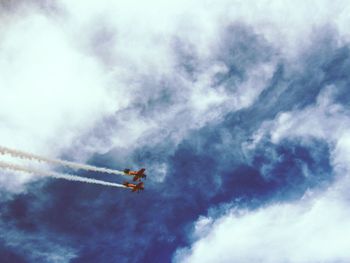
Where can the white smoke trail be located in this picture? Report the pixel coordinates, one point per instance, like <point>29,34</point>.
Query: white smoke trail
<point>68,177</point>
<point>24,155</point>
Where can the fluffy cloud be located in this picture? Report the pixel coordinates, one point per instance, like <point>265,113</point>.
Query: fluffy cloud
<point>112,66</point>
<point>97,78</point>
<point>50,91</point>
<point>172,71</point>
<point>313,229</point>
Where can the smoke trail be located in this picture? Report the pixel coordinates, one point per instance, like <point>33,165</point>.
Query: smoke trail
<point>68,177</point>
<point>24,155</point>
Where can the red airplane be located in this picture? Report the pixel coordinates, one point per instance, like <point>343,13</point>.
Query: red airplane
<point>135,187</point>
<point>137,174</point>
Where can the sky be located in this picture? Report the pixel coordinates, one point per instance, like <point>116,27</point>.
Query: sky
<point>239,111</point>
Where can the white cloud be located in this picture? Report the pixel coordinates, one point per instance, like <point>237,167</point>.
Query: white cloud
<point>65,71</point>
<point>142,50</point>
<point>325,120</point>
<point>52,83</point>
<point>313,229</point>
<point>142,45</point>
<point>50,91</point>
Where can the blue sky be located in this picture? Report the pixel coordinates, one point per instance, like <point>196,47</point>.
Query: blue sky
<point>238,110</point>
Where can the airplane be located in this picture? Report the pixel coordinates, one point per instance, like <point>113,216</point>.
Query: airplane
<point>137,174</point>
<point>135,187</point>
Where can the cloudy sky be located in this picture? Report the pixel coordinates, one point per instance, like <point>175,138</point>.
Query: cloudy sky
<point>239,110</point>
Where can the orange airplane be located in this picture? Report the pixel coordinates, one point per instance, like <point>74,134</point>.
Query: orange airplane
<point>137,174</point>
<point>135,187</point>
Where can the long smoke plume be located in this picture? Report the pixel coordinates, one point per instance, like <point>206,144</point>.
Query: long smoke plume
<point>24,155</point>
<point>68,177</point>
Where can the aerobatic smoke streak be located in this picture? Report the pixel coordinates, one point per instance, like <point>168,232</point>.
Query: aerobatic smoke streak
<point>24,155</point>
<point>68,177</point>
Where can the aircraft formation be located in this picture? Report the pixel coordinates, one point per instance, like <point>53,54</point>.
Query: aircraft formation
<point>137,176</point>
